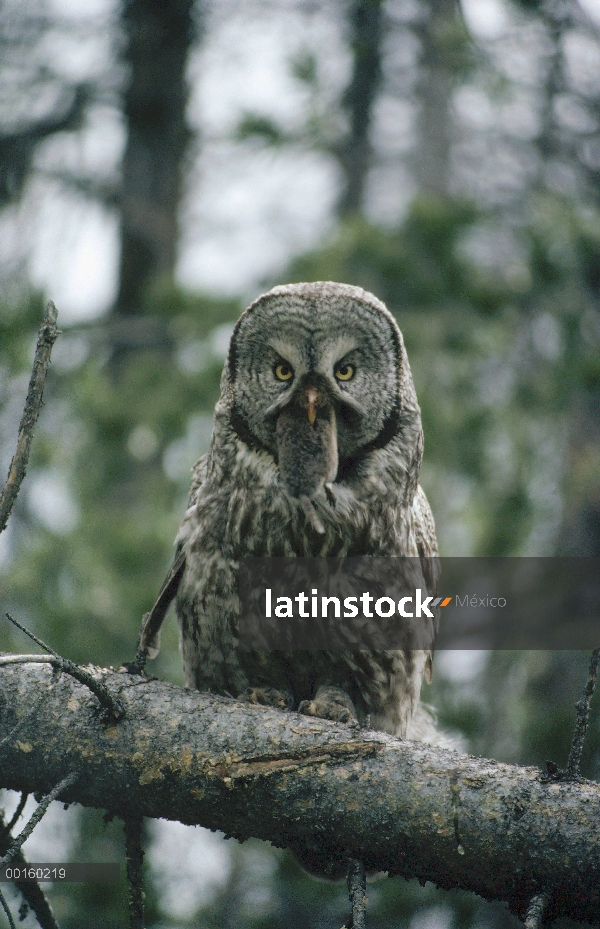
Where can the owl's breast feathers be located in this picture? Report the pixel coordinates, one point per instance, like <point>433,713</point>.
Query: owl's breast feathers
<point>240,506</point>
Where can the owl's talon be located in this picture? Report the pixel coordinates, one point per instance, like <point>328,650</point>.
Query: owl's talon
<point>267,696</point>
<point>330,703</point>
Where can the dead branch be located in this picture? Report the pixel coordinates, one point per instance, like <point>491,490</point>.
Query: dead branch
<point>535,911</point>
<point>15,846</point>
<point>583,714</point>
<point>135,858</point>
<point>16,815</point>
<point>357,892</point>
<point>308,784</point>
<point>47,336</point>
<point>113,709</point>
<point>11,851</point>
<point>31,891</point>
<point>4,906</point>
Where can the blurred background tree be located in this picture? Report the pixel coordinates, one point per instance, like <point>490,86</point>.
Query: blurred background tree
<point>162,163</point>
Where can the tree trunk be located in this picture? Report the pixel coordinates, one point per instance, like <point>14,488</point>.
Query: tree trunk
<point>299,782</point>
<point>158,35</point>
<point>440,54</point>
<point>354,153</point>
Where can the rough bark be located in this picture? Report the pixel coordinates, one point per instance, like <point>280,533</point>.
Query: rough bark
<point>402,807</point>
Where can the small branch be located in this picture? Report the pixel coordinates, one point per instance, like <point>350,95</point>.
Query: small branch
<point>47,336</point>
<point>582,719</point>
<point>6,660</point>
<point>4,906</point>
<point>18,811</point>
<point>135,859</point>
<point>112,706</point>
<point>357,889</point>
<point>36,899</point>
<point>15,846</point>
<point>31,635</point>
<point>31,891</point>
<point>535,911</point>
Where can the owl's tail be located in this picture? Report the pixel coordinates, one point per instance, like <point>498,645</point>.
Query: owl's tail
<point>423,728</point>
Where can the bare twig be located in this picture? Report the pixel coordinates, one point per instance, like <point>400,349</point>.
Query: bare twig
<point>581,722</point>
<point>357,889</point>
<point>26,659</point>
<point>31,635</point>
<point>535,911</point>
<point>31,891</point>
<point>112,706</point>
<point>18,811</point>
<point>15,846</point>
<point>4,906</point>
<point>135,858</point>
<point>47,336</point>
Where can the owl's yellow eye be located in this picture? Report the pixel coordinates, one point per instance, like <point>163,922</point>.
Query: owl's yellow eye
<point>283,371</point>
<point>344,372</point>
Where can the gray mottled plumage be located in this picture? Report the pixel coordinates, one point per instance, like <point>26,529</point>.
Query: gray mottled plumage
<point>276,484</point>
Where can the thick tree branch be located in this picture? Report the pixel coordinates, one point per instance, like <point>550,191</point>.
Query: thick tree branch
<point>305,783</point>
<point>47,336</point>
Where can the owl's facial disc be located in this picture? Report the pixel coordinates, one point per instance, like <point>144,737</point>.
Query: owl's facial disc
<point>313,384</point>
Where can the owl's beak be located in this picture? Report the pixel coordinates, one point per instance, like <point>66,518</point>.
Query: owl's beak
<point>311,397</point>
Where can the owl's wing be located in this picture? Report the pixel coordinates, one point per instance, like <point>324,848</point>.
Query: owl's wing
<point>149,643</point>
<point>424,528</point>
<point>152,621</point>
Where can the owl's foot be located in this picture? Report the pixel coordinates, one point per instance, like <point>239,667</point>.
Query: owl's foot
<point>330,703</point>
<point>267,696</point>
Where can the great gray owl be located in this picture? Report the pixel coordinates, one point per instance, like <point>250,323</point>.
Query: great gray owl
<point>316,451</point>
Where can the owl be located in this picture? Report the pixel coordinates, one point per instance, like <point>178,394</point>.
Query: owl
<point>316,452</point>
